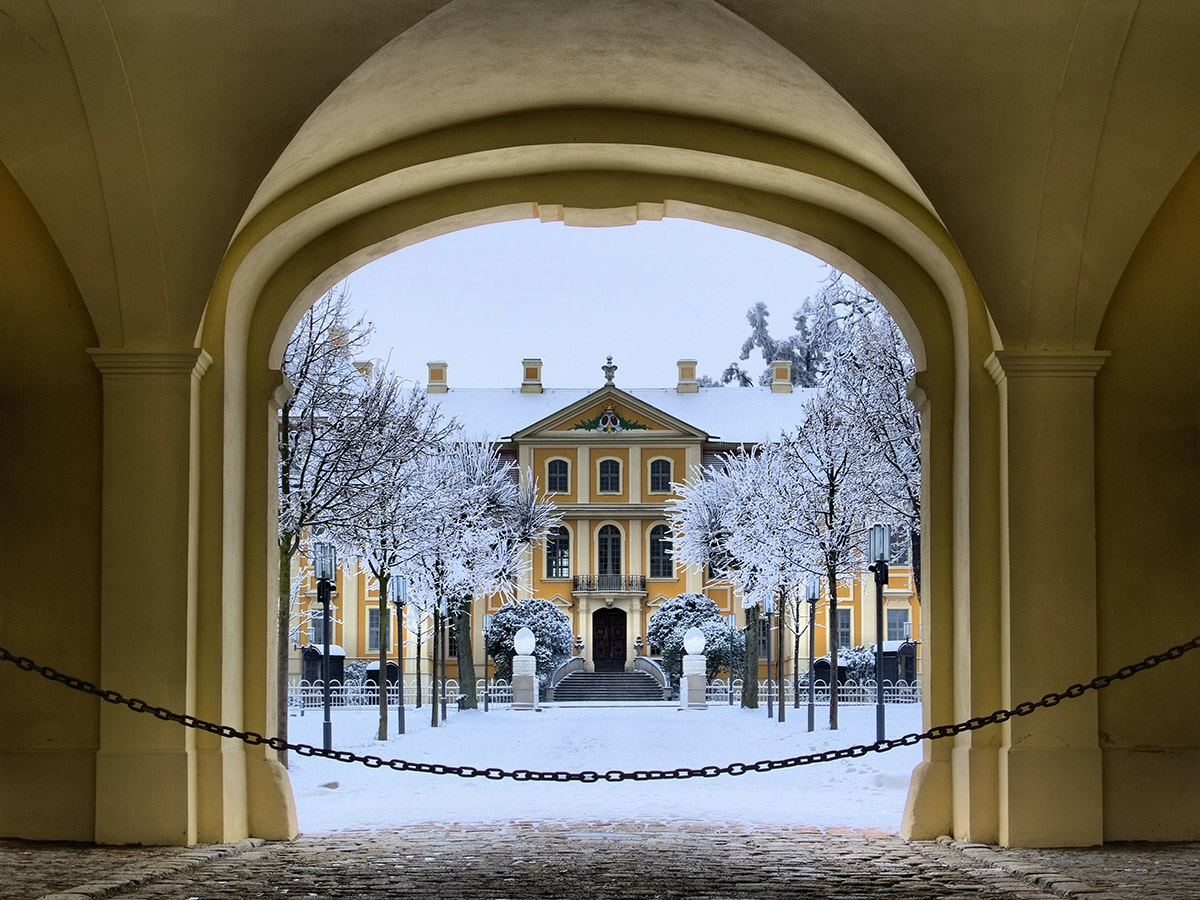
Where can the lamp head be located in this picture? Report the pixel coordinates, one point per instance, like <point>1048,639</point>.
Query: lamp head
<point>324,561</point>
<point>880,544</point>
<point>693,641</point>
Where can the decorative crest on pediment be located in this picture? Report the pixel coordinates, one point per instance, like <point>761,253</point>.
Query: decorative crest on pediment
<point>609,422</point>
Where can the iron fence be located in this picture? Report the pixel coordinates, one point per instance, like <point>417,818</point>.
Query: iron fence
<point>850,693</point>
<point>304,695</point>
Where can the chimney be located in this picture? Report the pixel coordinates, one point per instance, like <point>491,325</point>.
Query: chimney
<point>532,381</point>
<point>687,377</point>
<point>437,378</point>
<point>781,376</point>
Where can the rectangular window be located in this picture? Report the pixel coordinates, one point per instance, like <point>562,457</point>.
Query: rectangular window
<point>843,629</point>
<point>558,553</point>
<point>610,476</point>
<point>660,476</point>
<point>897,625</point>
<point>316,626</point>
<point>373,630</point>
<point>557,475</point>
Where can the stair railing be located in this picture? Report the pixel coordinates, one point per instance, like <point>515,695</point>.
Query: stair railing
<point>574,664</point>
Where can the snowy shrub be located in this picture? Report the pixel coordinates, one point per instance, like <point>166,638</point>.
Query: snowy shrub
<point>859,663</point>
<point>355,673</point>
<point>671,622</point>
<point>548,623</point>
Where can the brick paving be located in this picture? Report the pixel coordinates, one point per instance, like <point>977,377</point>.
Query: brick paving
<point>622,860</point>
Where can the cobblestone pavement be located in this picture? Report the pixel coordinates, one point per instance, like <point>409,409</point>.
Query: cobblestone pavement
<point>591,859</point>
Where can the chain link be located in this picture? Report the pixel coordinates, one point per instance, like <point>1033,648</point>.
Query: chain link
<point>589,777</point>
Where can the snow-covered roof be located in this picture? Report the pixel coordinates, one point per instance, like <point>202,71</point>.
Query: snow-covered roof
<point>730,414</point>
<point>334,649</point>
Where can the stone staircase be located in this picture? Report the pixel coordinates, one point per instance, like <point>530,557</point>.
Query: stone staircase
<point>607,687</point>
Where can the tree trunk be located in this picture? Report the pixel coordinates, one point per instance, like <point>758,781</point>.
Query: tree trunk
<point>914,556</point>
<point>750,677</point>
<point>435,642</point>
<point>796,657</point>
<point>283,641</point>
<point>383,657</point>
<point>831,574</point>
<point>466,662</point>
<point>417,663</point>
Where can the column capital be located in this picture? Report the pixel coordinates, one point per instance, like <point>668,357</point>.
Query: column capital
<point>120,361</point>
<point>1004,364</point>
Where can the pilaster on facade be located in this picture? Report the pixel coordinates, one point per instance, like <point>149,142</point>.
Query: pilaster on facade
<point>635,474</point>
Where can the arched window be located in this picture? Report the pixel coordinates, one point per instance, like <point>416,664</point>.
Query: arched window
<point>558,552</point>
<point>661,563</point>
<point>610,476</point>
<point>557,477</point>
<point>609,559</point>
<point>660,476</point>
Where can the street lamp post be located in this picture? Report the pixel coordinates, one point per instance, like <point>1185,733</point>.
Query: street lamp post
<point>487,668</point>
<point>812,593</point>
<point>400,597</point>
<point>325,564</point>
<point>779,657</point>
<point>879,552</point>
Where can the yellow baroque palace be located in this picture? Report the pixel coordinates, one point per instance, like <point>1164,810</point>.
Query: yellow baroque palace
<point>607,458</point>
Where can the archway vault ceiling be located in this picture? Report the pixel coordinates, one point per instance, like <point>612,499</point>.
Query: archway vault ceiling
<point>1043,135</point>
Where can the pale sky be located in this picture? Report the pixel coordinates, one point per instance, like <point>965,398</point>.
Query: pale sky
<point>648,294</point>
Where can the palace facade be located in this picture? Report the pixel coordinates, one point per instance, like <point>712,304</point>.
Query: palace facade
<point>608,458</point>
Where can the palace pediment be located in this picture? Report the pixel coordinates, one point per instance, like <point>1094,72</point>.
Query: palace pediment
<point>609,412</point>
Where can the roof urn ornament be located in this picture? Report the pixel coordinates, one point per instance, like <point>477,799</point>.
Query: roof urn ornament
<point>609,371</point>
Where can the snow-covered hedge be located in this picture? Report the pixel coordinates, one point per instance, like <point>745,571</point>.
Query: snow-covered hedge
<point>859,662</point>
<point>548,623</point>
<point>672,620</point>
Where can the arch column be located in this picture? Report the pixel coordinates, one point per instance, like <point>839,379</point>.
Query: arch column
<point>1050,762</point>
<point>145,768</point>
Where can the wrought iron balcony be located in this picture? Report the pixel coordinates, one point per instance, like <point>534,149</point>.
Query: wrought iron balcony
<point>613,584</point>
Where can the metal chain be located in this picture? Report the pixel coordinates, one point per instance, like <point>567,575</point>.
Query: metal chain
<point>590,777</point>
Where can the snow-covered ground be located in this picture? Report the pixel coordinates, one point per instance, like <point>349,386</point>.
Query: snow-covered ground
<point>868,791</point>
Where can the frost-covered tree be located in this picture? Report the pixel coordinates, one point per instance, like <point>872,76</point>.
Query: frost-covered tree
<point>794,348</point>
<point>702,516</point>
<point>385,533</point>
<point>336,429</point>
<point>550,626</point>
<point>870,374</point>
<point>832,517</point>
<point>474,538</point>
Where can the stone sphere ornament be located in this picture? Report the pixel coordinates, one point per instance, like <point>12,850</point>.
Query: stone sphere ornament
<point>524,641</point>
<point>693,641</point>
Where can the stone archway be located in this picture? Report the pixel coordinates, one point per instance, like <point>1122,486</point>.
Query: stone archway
<point>841,196</point>
<point>893,272</point>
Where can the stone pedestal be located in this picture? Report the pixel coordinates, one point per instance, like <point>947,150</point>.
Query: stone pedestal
<point>693,686</point>
<point>524,682</point>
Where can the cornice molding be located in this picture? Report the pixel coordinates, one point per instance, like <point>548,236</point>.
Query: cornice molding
<point>1004,364</point>
<point>137,363</point>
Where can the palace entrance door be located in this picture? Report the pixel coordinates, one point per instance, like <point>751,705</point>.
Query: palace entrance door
<point>608,640</point>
